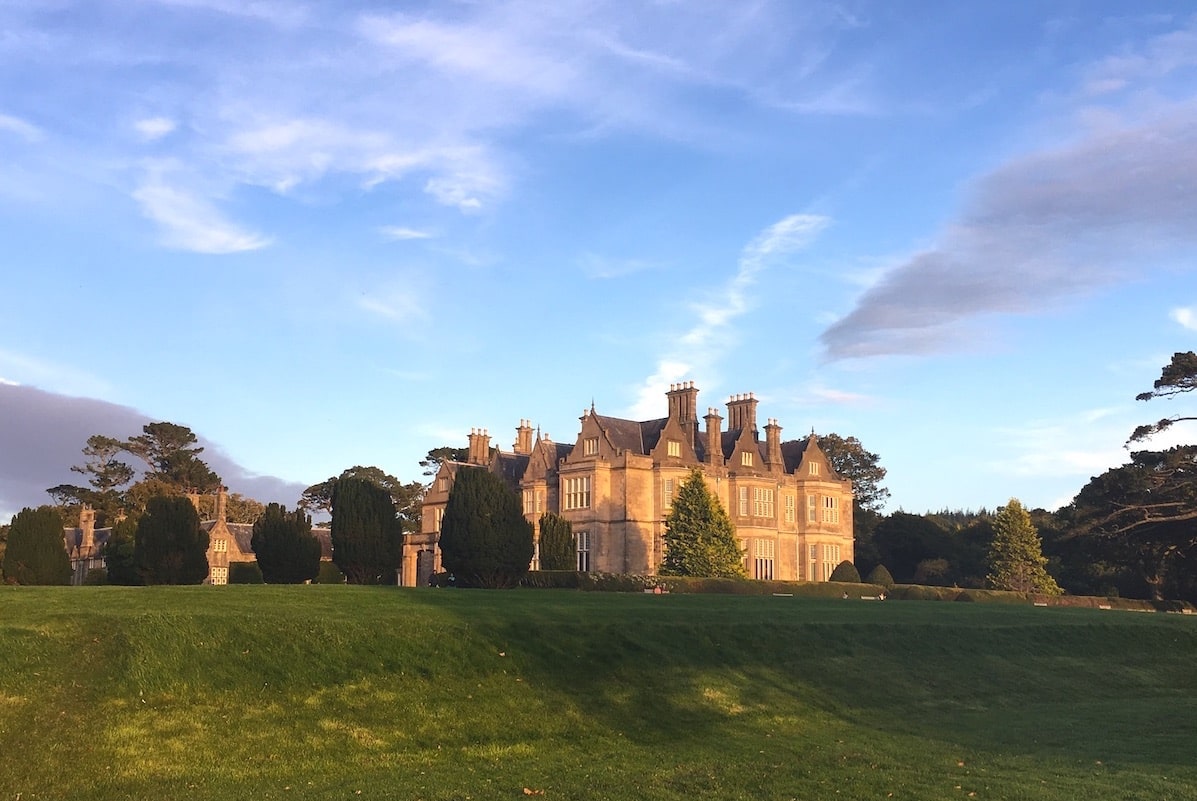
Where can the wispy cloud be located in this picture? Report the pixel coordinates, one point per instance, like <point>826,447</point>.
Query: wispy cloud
<point>26,130</point>
<point>705,340</point>
<point>400,233</point>
<point>152,128</point>
<point>192,223</point>
<point>604,267</point>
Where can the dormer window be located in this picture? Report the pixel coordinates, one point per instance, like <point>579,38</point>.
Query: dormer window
<point>590,446</point>
<point>442,484</point>
<point>674,448</point>
<point>814,468</point>
<point>746,459</point>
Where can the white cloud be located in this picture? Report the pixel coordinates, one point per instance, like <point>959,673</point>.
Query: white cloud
<point>26,130</point>
<point>192,223</point>
<point>1186,317</point>
<point>152,128</point>
<point>400,233</point>
<point>647,405</point>
<point>603,267</point>
<point>8,382</point>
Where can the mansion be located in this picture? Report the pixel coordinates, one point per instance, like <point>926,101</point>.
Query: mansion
<point>615,482</point>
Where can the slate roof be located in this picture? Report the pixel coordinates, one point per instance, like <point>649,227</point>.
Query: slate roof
<point>629,435</point>
<point>74,538</point>
<point>511,467</point>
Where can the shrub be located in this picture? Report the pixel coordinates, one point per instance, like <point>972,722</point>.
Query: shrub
<point>880,576</point>
<point>552,580</point>
<point>330,574</point>
<point>245,573</point>
<point>845,571</point>
<point>95,577</point>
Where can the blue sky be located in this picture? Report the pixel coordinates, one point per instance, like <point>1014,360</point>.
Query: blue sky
<point>328,234</point>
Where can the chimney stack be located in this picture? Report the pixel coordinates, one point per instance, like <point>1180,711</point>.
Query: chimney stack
<point>479,446</point>
<point>714,437</point>
<point>523,438</point>
<point>683,407</point>
<point>741,413</point>
<point>773,445</point>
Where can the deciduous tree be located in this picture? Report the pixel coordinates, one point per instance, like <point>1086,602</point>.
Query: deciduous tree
<point>367,536</point>
<point>407,498</point>
<point>849,458</point>
<point>485,540</point>
<point>284,546</point>
<point>36,551</point>
<point>556,543</point>
<point>1016,560</point>
<point>170,547</point>
<point>699,537</point>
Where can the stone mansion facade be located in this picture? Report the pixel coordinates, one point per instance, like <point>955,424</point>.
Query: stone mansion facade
<point>615,484</point>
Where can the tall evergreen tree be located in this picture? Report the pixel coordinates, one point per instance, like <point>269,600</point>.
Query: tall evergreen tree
<point>485,540</point>
<point>367,536</point>
<point>169,451</point>
<point>1016,560</point>
<point>699,537</point>
<point>36,551</point>
<point>120,553</point>
<point>283,543</point>
<point>170,547</point>
<point>556,543</point>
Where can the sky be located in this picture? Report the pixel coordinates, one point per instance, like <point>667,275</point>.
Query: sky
<point>331,234</point>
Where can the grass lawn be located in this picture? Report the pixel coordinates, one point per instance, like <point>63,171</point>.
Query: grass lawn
<point>332,692</point>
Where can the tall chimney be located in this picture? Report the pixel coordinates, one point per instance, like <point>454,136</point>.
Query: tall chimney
<point>714,437</point>
<point>479,446</point>
<point>741,413</point>
<point>222,503</point>
<point>87,525</point>
<point>683,407</point>
<point>523,437</point>
<point>773,445</point>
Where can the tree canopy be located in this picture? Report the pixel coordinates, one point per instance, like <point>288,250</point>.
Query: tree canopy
<point>36,551</point>
<point>170,547</point>
<point>699,537</point>
<point>170,452</point>
<point>485,540</point>
<point>437,456</point>
<point>849,458</point>
<point>285,548</point>
<point>1016,560</point>
<point>407,498</point>
<point>367,536</point>
<point>1177,377</point>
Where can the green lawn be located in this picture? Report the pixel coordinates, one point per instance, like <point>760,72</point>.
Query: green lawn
<point>254,692</point>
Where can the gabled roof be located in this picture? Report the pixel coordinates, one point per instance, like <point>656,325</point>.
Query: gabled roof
<point>510,467</point>
<point>791,453</point>
<point>638,437</point>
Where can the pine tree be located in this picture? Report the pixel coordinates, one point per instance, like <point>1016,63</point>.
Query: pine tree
<point>1016,560</point>
<point>699,537</point>
<point>367,536</point>
<point>485,540</point>
<point>285,548</point>
<point>36,552</point>
<point>170,547</point>
<point>556,543</point>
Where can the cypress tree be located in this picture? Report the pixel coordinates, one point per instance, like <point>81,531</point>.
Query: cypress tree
<point>170,547</point>
<point>285,548</point>
<point>120,553</point>
<point>699,537</point>
<point>485,540</point>
<point>556,543</point>
<point>36,552</point>
<point>1016,560</point>
<point>367,536</point>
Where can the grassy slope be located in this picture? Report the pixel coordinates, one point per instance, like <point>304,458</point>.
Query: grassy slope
<point>321,692</point>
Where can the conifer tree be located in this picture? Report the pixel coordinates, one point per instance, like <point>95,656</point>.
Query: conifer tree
<point>845,571</point>
<point>170,547</point>
<point>367,535</point>
<point>285,548</point>
<point>1016,560</point>
<point>556,543</point>
<point>119,552</point>
<point>36,551</point>
<point>699,537</point>
<point>485,540</point>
